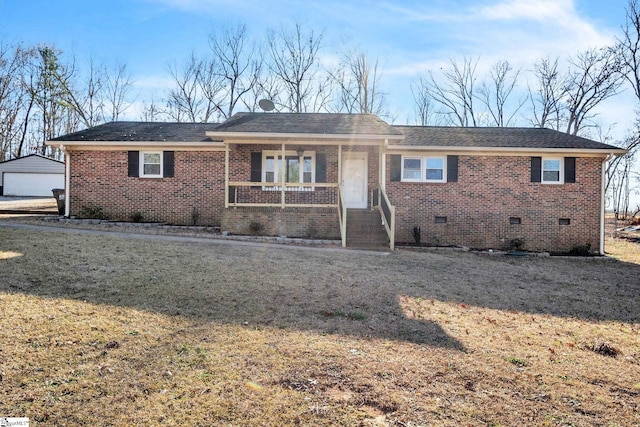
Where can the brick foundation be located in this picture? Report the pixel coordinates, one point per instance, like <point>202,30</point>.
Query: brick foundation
<point>290,222</point>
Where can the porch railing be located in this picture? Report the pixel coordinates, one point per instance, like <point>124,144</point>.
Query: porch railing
<point>380,200</point>
<point>342,214</point>
<point>275,195</point>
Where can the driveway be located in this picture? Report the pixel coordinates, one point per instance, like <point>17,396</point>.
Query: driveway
<point>27,205</point>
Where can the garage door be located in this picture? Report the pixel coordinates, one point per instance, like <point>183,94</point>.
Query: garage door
<point>31,184</point>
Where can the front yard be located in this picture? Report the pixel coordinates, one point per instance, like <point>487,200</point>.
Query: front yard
<point>104,330</point>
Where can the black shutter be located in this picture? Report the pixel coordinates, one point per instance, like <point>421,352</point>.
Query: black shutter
<point>321,170</point>
<point>134,163</point>
<point>452,168</point>
<point>536,169</point>
<point>396,167</point>
<point>569,169</point>
<point>167,164</point>
<point>256,167</point>
<point>321,167</point>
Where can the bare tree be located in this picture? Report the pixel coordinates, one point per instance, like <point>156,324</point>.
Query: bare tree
<point>595,75</point>
<point>239,66</point>
<point>184,101</point>
<point>293,58</point>
<point>495,95</point>
<point>12,95</point>
<point>358,81</point>
<point>87,101</point>
<point>546,99</point>
<point>117,85</point>
<point>151,112</point>
<point>196,96</point>
<point>456,92</point>
<point>424,108</point>
<point>49,80</point>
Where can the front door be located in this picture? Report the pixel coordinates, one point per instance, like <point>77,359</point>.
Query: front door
<point>354,180</point>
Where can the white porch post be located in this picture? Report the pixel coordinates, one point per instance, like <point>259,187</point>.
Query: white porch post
<point>67,181</point>
<point>282,178</point>
<point>226,176</point>
<point>340,165</point>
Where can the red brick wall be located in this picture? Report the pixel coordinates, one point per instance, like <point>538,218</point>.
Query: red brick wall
<point>196,192</point>
<point>488,192</point>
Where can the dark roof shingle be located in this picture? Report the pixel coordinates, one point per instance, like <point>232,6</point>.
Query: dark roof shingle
<point>503,137</point>
<point>309,123</point>
<point>143,131</point>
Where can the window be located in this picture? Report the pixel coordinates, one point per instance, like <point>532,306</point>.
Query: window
<point>435,168</point>
<point>151,164</point>
<point>412,169</point>
<point>551,170</point>
<point>293,168</point>
<point>423,169</point>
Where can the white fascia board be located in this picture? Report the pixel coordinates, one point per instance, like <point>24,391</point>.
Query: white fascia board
<point>512,151</point>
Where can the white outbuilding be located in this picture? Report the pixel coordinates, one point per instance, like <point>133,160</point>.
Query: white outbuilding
<point>33,175</point>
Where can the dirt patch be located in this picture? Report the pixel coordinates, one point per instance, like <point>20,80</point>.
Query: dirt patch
<point>107,330</point>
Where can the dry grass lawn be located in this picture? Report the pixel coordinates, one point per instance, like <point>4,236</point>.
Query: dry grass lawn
<point>102,330</point>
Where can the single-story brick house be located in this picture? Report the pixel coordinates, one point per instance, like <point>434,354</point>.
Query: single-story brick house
<point>327,175</point>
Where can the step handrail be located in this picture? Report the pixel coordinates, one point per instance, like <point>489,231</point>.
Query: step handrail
<point>342,215</point>
<point>388,213</point>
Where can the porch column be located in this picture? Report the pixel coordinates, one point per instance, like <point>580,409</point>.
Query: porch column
<point>282,178</point>
<point>383,164</point>
<point>340,166</point>
<point>226,176</point>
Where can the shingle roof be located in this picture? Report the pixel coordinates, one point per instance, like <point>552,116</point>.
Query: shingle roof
<point>308,123</point>
<point>479,137</point>
<point>143,131</point>
<point>335,124</point>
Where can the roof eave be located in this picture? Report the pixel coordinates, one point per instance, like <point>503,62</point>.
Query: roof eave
<point>298,136</point>
<point>129,144</point>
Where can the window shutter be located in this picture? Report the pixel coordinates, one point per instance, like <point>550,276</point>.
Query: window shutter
<point>569,169</point>
<point>134,163</point>
<point>452,168</point>
<point>396,167</point>
<point>321,167</point>
<point>536,169</point>
<point>256,167</point>
<point>167,164</point>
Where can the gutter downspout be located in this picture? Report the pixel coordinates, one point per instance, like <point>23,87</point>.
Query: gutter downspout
<point>602,201</point>
<point>67,181</point>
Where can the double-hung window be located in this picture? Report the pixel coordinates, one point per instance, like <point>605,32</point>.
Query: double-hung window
<point>293,168</point>
<point>424,169</point>
<point>151,164</point>
<point>551,170</point>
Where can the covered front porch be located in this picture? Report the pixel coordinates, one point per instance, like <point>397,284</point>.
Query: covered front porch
<point>288,174</point>
<point>302,190</point>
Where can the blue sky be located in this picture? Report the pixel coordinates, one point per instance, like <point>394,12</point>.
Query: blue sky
<point>409,37</point>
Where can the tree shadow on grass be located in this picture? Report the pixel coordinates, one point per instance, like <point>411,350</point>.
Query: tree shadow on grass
<point>328,292</point>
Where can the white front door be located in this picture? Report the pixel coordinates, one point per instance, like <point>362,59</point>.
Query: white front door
<point>354,180</point>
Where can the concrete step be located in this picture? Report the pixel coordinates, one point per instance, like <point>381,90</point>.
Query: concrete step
<point>365,230</point>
